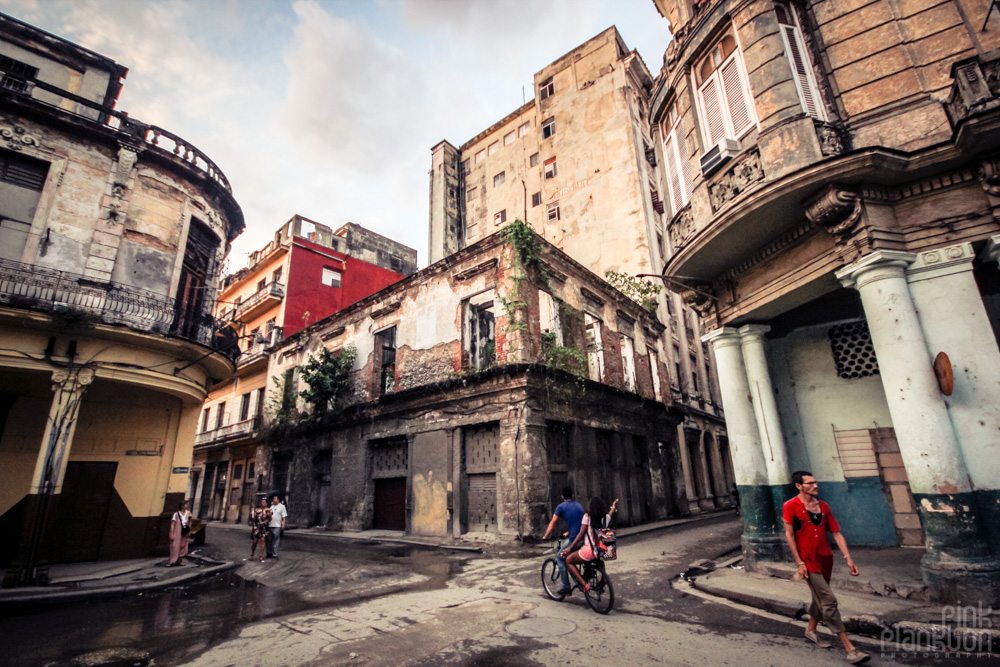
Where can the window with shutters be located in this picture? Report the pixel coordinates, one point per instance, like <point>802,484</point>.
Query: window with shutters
<point>724,94</point>
<point>550,168</point>
<point>678,160</point>
<point>654,195</point>
<point>798,58</point>
<point>21,181</point>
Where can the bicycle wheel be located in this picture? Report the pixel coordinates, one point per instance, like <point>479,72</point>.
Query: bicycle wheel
<point>601,594</point>
<point>551,581</point>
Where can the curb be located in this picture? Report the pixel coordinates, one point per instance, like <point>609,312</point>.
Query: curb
<point>13,599</point>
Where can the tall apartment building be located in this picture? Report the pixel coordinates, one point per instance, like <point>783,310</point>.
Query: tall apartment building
<point>833,179</point>
<point>579,165</point>
<point>111,235</point>
<point>307,272</point>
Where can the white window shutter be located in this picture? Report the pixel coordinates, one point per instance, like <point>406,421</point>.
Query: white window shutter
<point>673,173</point>
<point>736,98</point>
<point>800,69</point>
<point>716,126</point>
<point>685,160</point>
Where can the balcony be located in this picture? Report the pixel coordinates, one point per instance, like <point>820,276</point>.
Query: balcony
<point>258,350</point>
<point>261,301</point>
<point>238,431</point>
<point>73,296</point>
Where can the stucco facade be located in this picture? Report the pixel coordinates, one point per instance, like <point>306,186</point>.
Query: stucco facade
<point>833,195</point>
<point>481,387</point>
<point>578,163</point>
<point>112,233</point>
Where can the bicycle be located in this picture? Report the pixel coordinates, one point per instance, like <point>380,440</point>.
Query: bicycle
<point>601,594</point>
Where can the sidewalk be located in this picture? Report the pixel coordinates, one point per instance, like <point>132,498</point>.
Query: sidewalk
<point>73,582</point>
<point>887,602</point>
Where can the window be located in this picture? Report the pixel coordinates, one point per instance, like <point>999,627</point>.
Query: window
<point>536,199</point>
<point>724,95</point>
<point>480,156</point>
<point>499,179</point>
<point>493,148</point>
<point>523,130</point>
<point>480,331</point>
<point>595,352</point>
<point>677,367</point>
<point>465,166</point>
<point>470,194</point>
<point>550,168</point>
<point>204,419</point>
<point>289,390</point>
<point>16,74</point>
<point>508,138</point>
<point>628,362</point>
<point>21,182</point>
<point>548,317</point>
<point>548,127</point>
<point>385,351</point>
<point>798,57</point>
<point>546,89</point>
<point>259,409</point>
<point>220,414</point>
<point>245,407</point>
<point>659,246</point>
<point>331,278</point>
<point>533,160</point>
<point>500,217</point>
<point>261,284</point>
<point>276,276</point>
<point>654,371</point>
<point>553,211</point>
<point>654,195</point>
<point>675,154</point>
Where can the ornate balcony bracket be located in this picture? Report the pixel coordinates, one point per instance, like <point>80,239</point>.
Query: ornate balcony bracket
<point>746,171</point>
<point>989,176</point>
<point>837,208</point>
<point>701,297</point>
<point>975,89</point>
<point>831,141</point>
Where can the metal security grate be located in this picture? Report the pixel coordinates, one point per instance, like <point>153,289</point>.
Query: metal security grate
<point>390,456</point>
<point>853,352</point>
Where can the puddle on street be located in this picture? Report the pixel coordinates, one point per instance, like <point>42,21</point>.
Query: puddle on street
<point>174,625</point>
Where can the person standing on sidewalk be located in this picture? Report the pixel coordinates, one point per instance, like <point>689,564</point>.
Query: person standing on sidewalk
<point>276,526</point>
<point>807,520</point>
<point>571,512</point>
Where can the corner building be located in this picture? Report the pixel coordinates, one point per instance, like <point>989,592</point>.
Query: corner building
<point>832,183</point>
<point>578,163</point>
<point>111,234</point>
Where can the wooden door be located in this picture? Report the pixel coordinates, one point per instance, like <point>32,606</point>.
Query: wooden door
<point>390,503</point>
<point>83,510</point>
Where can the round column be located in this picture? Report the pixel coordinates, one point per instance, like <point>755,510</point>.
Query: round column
<point>765,409</point>
<point>761,540</point>
<point>957,566</point>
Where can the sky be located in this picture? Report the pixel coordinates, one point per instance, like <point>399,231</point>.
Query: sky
<point>329,108</point>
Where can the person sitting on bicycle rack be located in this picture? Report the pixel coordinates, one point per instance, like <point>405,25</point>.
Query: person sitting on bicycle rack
<point>597,515</point>
<point>571,512</point>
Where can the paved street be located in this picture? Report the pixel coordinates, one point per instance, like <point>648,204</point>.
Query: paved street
<point>333,602</point>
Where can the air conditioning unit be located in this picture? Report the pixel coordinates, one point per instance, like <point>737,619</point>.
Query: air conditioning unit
<point>718,155</point>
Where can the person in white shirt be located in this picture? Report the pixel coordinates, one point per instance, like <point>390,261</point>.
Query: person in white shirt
<point>275,528</point>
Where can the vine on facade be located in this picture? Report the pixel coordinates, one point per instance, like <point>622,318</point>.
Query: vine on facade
<point>643,292</point>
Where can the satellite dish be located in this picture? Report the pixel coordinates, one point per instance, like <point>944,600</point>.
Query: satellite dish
<point>945,374</point>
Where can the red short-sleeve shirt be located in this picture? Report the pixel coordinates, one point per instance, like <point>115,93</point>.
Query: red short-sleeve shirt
<point>811,539</point>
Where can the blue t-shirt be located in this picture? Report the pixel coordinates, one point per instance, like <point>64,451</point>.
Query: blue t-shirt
<point>571,512</point>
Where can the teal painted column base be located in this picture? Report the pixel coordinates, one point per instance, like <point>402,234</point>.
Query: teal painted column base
<point>958,567</point>
<point>763,536</point>
<point>780,494</point>
<point>763,547</point>
<point>988,502</point>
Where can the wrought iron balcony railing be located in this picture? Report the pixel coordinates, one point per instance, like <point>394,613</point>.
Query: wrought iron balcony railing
<point>155,137</point>
<point>73,295</point>
<point>274,290</point>
<point>244,428</point>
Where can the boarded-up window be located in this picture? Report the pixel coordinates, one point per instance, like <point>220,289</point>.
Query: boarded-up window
<point>857,453</point>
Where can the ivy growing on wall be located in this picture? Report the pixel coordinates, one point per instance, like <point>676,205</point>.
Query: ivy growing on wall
<point>643,292</point>
<point>328,375</point>
<point>563,357</point>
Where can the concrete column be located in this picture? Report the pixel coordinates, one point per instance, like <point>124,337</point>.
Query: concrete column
<point>690,488</point>
<point>945,292</point>
<point>761,538</point>
<point>765,409</point>
<point>957,566</point>
<point>50,467</point>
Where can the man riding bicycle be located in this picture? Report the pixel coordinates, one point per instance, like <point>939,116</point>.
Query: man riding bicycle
<point>571,512</point>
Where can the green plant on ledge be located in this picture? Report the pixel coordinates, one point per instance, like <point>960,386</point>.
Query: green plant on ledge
<point>643,292</point>
<point>328,375</point>
<point>562,357</point>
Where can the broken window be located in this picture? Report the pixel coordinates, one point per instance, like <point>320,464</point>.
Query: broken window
<point>546,89</point>
<point>536,199</point>
<point>553,211</point>
<point>500,217</point>
<point>385,351</point>
<point>677,367</point>
<point>550,168</point>
<point>628,362</point>
<point>508,138</point>
<point>548,316</point>
<point>499,179</point>
<point>595,352</point>
<point>289,390</point>
<point>695,390</point>
<point>654,371</point>
<point>548,127</point>
<point>533,160</point>
<point>21,182</point>
<point>189,307</point>
<point>331,278</point>
<point>480,331</point>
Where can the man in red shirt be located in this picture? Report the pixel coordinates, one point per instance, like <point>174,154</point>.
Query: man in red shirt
<point>807,520</point>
